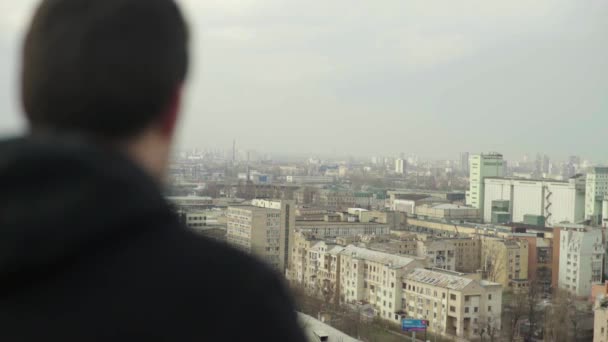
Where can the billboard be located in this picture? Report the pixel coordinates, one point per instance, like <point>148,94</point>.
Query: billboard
<point>414,324</point>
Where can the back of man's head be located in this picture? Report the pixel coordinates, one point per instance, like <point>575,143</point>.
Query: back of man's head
<point>107,69</point>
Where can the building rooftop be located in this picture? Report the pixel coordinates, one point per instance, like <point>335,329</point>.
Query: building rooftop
<point>252,208</point>
<point>450,206</point>
<point>411,197</point>
<point>330,223</point>
<point>440,279</point>
<point>316,331</point>
<point>395,261</point>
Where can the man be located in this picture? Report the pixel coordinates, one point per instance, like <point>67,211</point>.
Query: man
<point>89,250</point>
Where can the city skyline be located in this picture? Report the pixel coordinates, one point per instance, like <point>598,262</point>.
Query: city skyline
<point>316,77</point>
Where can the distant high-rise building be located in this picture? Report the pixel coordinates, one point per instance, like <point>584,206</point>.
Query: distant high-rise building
<point>400,166</point>
<point>482,166</point>
<point>597,189</point>
<point>464,162</point>
<point>546,168</point>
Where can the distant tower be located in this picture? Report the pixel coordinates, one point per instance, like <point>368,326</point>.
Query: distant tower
<point>233,151</point>
<point>400,166</point>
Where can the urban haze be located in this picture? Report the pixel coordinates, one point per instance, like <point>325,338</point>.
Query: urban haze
<point>362,78</point>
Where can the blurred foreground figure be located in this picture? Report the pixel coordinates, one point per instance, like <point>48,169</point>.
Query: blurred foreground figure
<point>89,250</point>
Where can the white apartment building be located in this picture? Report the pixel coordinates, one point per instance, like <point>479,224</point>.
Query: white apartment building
<point>597,189</point>
<point>557,201</point>
<point>263,230</point>
<point>374,277</point>
<point>400,166</point>
<point>581,258</point>
<point>482,166</point>
<point>452,303</point>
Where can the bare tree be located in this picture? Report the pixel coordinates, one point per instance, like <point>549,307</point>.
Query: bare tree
<point>492,327</point>
<point>533,295</point>
<point>514,311</point>
<point>493,262</point>
<point>557,327</point>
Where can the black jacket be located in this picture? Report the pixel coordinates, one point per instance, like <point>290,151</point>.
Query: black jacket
<point>90,251</point>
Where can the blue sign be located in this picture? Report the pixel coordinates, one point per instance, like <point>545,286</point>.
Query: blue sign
<point>414,324</point>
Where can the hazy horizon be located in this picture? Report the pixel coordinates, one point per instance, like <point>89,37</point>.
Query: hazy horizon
<point>379,78</point>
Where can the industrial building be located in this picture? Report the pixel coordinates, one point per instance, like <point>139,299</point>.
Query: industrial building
<point>511,199</point>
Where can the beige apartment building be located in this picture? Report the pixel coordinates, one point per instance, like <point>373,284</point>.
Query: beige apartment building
<point>373,277</point>
<point>462,255</point>
<point>314,265</point>
<point>467,255</point>
<point>505,262</point>
<point>396,286</point>
<point>262,229</point>
<point>453,303</point>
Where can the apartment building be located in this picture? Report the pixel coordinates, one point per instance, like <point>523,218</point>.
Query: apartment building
<point>596,190</point>
<point>331,229</point>
<point>453,303</point>
<point>581,258</point>
<point>467,254</point>
<point>453,254</point>
<point>440,253</point>
<point>600,319</point>
<point>262,229</point>
<point>374,277</point>
<point>396,286</point>
<point>505,261</point>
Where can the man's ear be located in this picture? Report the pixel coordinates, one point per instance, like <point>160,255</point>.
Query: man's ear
<point>171,113</point>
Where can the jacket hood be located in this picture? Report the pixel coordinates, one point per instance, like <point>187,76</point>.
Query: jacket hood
<point>61,198</point>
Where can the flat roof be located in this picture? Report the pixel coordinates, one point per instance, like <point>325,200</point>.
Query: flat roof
<point>340,223</point>
<point>395,261</point>
<point>439,279</point>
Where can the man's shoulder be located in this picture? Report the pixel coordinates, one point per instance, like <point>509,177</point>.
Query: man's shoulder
<point>209,256</point>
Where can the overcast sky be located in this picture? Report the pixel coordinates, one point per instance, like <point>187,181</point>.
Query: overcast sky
<point>378,77</point>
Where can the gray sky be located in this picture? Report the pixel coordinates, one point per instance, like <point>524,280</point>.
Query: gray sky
<point>428,77</point>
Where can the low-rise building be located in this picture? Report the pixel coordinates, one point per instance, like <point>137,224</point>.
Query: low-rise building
<point>449,212</point>
<point>453,303</point>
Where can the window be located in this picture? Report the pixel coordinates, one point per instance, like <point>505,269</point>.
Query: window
<point>452,309</point>
<point>466,310</point>
<point>489,309</point>
<point>452,297</point>
<point>490,297</point>
<point>475,309</point>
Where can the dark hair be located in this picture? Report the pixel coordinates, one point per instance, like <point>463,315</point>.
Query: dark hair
<point>105,68</point>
